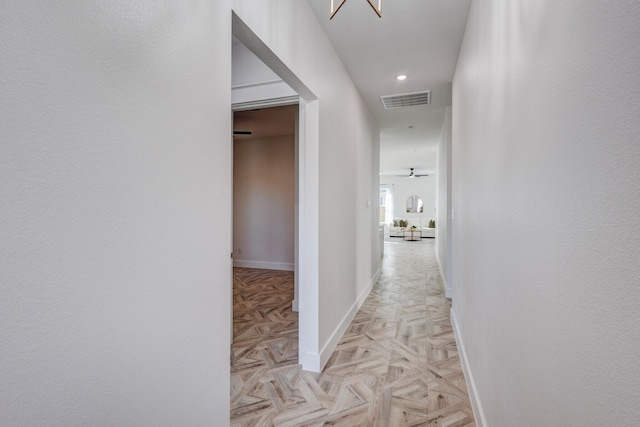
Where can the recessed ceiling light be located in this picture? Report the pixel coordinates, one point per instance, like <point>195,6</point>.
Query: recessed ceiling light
<point>401,77</point>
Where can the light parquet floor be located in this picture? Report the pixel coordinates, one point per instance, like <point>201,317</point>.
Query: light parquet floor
<point>396,365</point>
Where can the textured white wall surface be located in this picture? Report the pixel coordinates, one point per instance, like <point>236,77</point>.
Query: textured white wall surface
<point>263,202</point>
<point>252,80</point>
<point>247,68</point>
<point>546,192</point>
<point>347,131</point>
<point>443,202</point>
<point>114,162</point>
<point>367,213</point>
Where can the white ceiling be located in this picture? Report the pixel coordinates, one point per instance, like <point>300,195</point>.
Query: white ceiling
<point>418,38</point>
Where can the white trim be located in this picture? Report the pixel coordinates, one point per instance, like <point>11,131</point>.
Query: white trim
<point>335,338</point>
<point>308,258</point>
<point>365,293</point>
<point>309,361</point>
<point>265,265</point>
<point>309,238</point>
<point>296,241</point>
<point>476,404</point>
<point>265,103</point>
<point>256,84</point>
<point>448,291</point>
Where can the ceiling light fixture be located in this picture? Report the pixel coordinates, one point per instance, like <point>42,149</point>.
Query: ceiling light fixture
<point>401,77</point>
<point>377,9</point>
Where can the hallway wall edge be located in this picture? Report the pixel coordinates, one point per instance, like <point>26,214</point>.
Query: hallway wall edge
<point>476,404</point>
<point>337,334</point>
<point>448,290</point>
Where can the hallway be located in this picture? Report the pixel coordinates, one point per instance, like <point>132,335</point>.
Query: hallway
<point>397,364</point>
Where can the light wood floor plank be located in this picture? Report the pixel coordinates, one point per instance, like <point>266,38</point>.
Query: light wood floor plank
<point>396,365</point>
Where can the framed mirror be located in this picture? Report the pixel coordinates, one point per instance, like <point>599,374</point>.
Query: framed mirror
<point>414,204</point>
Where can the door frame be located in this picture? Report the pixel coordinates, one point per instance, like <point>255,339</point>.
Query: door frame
<point>306,270</point>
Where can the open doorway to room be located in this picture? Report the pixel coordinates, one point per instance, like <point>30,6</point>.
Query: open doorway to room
<point>265,325</point>
<point>260,81</point>
<point>274,216</point>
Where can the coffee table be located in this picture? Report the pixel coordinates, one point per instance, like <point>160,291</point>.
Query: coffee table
<point>412,234</point>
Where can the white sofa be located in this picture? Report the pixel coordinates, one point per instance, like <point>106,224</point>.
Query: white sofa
<point>428,232</point>
<point>397,227</point>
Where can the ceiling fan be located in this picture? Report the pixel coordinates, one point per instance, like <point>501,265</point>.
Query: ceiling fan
<point>242,132</point>
<point>412,174</point>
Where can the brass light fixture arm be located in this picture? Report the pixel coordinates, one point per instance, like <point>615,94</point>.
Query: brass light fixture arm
<point>333,12</point>
<point>377,9</point>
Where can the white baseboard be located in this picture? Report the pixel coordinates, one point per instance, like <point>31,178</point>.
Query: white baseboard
<point>310,362</point>
<point>265,265</point>
<point>476,404</point>
<point>337,334</point>
<point>366,291</point>
<point>448,291</point>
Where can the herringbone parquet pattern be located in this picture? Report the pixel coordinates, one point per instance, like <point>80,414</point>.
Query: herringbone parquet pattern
<point>397,364</point>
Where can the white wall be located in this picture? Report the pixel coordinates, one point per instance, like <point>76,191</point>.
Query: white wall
<point>368,244</point>
<point>443,200</point>
<point>115,172</point>
<point>546,192</point>
<point>252,80</point>
<point>403,188</point>
<point>289,29</point>
<point>263,202</point>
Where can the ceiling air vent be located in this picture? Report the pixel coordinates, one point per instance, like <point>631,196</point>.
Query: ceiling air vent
<point>406,100</point>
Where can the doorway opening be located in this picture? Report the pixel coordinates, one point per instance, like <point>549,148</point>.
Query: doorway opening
<point>265,325</point>
<point>279,87</point>
<point>264,169</point>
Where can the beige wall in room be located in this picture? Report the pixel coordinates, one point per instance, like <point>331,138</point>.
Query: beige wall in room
<point>263,202</point>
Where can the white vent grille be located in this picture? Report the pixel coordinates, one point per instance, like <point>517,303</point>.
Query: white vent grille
<point>406,100</point>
